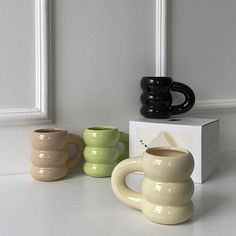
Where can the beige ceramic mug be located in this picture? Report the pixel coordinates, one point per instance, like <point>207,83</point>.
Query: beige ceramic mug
<point>50,155</point>
<point>166,189</point>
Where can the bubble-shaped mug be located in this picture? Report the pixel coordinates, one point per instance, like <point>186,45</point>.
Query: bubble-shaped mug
<point>101,153</point>
<point>166,188</point>
<point>50,155</point>
<point>157,100</point>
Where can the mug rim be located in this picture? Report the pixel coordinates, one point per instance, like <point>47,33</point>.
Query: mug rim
<point>49,130</point>
<point>165,148</point>
<point>102,128</point>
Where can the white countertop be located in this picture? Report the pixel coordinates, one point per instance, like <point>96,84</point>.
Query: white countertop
<point>80,205</point>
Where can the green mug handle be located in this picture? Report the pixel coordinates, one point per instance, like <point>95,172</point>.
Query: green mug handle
<point>124,138</point>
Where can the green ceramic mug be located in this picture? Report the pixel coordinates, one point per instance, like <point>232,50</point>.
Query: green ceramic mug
<point>101,152</point>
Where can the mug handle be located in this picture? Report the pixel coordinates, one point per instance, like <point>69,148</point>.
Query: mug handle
<point>189,98</point>
<point>119,186</point>
<point>79,144</point>
<point>124,138</point>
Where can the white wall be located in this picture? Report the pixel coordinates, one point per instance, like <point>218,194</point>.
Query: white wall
<point>202,46</point>
<point>17,53</point>
<point>101,49</point>
<point>202,53</point>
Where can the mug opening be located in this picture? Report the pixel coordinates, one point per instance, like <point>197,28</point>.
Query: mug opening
<point>49,130</point>
<point>102,128</point>
<point>167,152</point>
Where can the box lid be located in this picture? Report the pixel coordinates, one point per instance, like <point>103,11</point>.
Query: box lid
<point>178,121</point>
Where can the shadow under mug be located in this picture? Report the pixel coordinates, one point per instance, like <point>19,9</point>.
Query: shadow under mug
<point>101,152</point>
<point>167,188</point>
<point>50,154</point>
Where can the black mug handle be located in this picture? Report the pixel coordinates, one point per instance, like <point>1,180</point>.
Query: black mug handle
<point>189,98</point>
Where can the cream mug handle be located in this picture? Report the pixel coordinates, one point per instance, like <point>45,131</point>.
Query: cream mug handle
<point>79,144</point>
<point>124,138</point>
<point>118,182</point>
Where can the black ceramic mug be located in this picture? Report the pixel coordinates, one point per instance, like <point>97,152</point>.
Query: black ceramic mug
<point>156,98</point>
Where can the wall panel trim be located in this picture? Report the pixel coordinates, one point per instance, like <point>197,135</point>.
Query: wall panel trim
<point>207,106</point>
<point>41,113</point>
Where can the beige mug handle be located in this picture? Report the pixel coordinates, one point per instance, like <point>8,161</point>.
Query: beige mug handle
<point>118,182</point>
<point>79,144</point>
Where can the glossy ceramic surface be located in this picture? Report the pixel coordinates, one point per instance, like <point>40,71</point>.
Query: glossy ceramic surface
<point>167,188</point>
<point>101,152</point>
<point>156,98</point>
<point>50,156</point>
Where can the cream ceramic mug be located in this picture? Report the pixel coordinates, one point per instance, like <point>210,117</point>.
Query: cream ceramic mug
<point>166,189</point>
<point>50,155</point>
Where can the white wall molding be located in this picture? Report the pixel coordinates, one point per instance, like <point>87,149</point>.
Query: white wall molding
<point>41,113</point>
<point>161,39</point>
<point>211,105</point>
<point>215,105</point>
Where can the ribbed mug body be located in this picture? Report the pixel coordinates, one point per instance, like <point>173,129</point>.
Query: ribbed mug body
<point>167,187</point>
<point>101,152</point>
<point>49,154</point>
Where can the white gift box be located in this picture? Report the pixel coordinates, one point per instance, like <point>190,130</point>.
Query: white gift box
<point>199,136</point>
